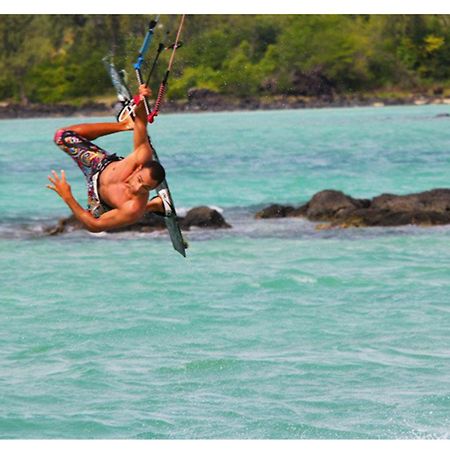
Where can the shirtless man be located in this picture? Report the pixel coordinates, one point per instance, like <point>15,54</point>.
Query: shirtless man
<point>118,188</point>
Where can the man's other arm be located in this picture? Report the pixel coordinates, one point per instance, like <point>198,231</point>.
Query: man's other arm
<point>115,218</point>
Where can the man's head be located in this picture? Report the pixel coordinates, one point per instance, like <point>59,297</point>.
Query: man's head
<point>147,177</point>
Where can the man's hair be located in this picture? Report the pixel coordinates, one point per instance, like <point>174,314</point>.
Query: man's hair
<point>156,170</point>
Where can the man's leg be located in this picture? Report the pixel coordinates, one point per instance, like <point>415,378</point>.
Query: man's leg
<point>91,131</point>
<point>85,153</point>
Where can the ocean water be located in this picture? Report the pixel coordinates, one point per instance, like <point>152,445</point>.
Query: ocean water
<point>268,330</point>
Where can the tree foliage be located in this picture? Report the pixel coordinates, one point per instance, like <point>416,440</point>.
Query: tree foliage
<point>52,58</point>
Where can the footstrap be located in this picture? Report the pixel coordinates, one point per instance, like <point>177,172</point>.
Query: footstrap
<point>127,110</point>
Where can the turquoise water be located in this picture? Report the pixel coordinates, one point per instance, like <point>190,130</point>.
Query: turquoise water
<point>270,329</point>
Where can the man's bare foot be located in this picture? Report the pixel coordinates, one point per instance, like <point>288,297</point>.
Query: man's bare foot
<point>155,205</point>
<point>128,123</point>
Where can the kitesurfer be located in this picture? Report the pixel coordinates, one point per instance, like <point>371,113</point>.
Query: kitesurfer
<point>118,187</point>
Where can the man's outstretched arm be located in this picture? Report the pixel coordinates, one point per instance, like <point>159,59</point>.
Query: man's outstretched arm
<point>112,219</point>
<point>143,151</point>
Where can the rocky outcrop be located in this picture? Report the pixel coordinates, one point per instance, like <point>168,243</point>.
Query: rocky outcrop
<point>149,223</point>
<point>340,210</point>
<point>277,211</point>
<point>324,206</point>
<point>202,217</point>
<point>64,225</point>
<point>332,205</point>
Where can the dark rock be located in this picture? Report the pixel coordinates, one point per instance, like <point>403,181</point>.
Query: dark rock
<point>436,200</point>
<point>200,217</point>
<point>386,218</point>
<point>274,211</point>
<point>340,210</point>
<point>204,217</point>
<point>64,225</point>
<point>331,205</point>
<point>148,223</point>
<point>301,211</point>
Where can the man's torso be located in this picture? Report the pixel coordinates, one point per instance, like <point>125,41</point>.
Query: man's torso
<point>113,187</point>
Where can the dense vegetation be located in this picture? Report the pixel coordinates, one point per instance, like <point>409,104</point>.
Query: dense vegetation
<point>58,58</point>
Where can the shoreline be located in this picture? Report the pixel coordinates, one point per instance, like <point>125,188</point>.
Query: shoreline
<point>206,101</point>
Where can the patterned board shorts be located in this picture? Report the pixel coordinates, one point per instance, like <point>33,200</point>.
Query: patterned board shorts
<point>91,159</point>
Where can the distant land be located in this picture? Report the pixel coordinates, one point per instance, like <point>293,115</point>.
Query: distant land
<point>205,101</point>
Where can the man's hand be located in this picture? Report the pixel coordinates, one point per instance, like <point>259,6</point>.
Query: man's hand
<point>144,91</point>
<point>129,213</point>
<point>60,185</point>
